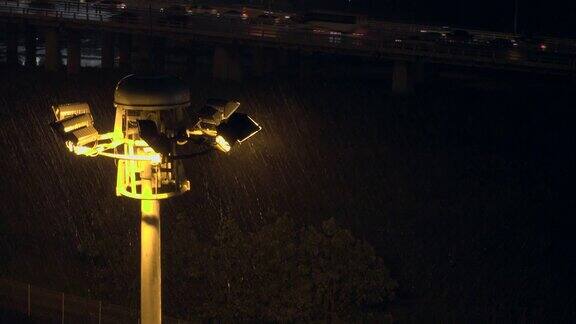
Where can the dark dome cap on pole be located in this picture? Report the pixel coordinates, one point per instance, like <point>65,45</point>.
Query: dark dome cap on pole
<point>147,92</point>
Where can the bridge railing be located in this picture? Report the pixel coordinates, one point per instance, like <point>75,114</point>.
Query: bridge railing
<point>22,8</point>
<point>53,306</point>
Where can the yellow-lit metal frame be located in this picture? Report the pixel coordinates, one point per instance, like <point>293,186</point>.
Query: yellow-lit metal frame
<point>106,146</point>
<point>132,154</point>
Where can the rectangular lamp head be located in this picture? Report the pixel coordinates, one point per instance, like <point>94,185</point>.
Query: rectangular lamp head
<point>238,128</point>
<point>217,110</point>
<point>83,136</point>
<point>74,124</point>
<point>65,111</point>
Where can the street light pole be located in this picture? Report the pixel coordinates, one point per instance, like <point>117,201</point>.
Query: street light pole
<point>150,122</point>
<point>150,251</point>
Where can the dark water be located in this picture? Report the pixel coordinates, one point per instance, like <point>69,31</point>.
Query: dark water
<point>459,188</point>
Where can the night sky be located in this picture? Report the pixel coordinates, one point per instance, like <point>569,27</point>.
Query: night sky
<point>537,17</point>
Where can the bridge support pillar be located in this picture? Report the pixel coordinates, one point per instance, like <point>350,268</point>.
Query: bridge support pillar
<point>282,58</point>
<point>406,75</point>
<point>30,46</point>
<point>107,51</point>
<point>402,78</point>
<point>192,54</point>
<point>425,72</point>
<point>125,52</point>
<point>140,54</point>
<point>264,62</point>
<point>74,52</point>
<point>53,58</point>
<point>191,58</point>
<point>12,45</point>
<point>226,64</point>
<point>302,64</point>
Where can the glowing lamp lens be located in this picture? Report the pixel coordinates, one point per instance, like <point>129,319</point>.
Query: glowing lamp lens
<point>238,128</point>
<point>222,144</point>
<point>156,159</point>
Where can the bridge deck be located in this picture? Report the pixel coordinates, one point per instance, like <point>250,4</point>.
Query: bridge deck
<point>383,40</point>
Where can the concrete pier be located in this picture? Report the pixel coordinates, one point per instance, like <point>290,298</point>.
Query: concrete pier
<point>265,61</point>
<point>12,44</point>
<point>424,72</point>
<point>74,51</point>
<point>407,75</point>
<point>107,50</point>
<point>125,52</point>
<point>226,64</point>
<point>191,58</point>
<point>53,60</point>
<point>402,78</point>
<point>30,45</point>
<point>159,54</point>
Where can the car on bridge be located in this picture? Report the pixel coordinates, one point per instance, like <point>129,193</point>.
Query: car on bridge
<point>459,36</point>
<point>109,5</point>
<point>502,43</point>
<point>333,27</point>
<point>434,34</point>
<point>202,10</point>
<point>259,15</point>
<point>268,19</point>
<point>173,15</point>
<point>233,14</point>
<point>333,21</point>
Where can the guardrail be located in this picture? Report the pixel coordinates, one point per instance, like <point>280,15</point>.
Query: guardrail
<point>46,305</point>
<point>388,40</point>
<point>53,306</point>
<point>83,12</point>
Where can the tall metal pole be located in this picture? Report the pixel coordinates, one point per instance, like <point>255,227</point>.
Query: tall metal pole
<point>150,263</point>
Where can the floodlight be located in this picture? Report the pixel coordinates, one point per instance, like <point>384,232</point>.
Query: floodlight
<point>218,118</point>
<point>229,108</point>
<point>70,109</point>
<point>217,110</point>
<point>83,136</point>
<point>74,124</point>
<point>238,128</point>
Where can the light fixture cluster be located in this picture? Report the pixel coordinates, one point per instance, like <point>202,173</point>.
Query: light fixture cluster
<point>75,125</point>
<point>217,121</point>
<point>151,124</point>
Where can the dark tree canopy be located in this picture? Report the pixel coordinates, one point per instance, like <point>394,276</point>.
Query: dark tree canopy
<point>284,272</point>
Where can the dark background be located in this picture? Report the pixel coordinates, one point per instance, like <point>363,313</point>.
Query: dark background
<point>466,189</point>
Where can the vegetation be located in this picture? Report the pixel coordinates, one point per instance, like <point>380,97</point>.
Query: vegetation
<point>285,272</point>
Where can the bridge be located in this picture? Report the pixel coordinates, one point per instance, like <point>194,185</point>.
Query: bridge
<point>400,43</point>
